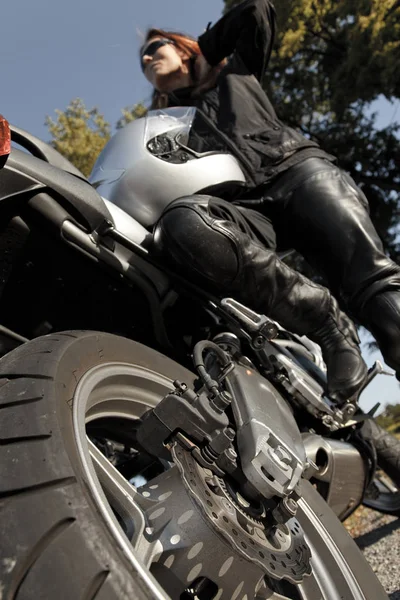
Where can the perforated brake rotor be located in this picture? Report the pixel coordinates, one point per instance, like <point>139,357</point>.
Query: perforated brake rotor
<point>202,532</point>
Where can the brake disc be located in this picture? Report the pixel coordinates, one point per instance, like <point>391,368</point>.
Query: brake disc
<point>200,531</point>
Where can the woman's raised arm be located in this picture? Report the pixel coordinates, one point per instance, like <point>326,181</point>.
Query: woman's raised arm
<point>248,29</point>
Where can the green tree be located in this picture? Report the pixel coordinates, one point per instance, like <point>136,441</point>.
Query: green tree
<point>79,134</point>
<point>131,113</point>
<point>331,60</point>
<point>353,44</point>
<point>390,417</point>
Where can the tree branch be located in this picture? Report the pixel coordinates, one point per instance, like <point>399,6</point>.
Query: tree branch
<point>327,40</point>
<point>395,6</point>
<point>381,182</point>
<point>313,52</point>
<point>332,39</point>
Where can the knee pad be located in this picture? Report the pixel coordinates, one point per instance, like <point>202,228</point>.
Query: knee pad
<point>196,244</point>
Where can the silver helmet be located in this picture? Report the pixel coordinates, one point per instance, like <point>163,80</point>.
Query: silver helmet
<point>165,155</point>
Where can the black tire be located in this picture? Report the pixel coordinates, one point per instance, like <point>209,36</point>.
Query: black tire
<point>388,456</point>
<point>387,448</point>
<point>54,543</point>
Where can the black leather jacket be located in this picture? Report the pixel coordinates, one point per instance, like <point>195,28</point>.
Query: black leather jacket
<point>238,106</point>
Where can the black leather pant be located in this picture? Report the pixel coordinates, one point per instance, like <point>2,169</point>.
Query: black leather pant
<point>217,246</point>
<point>317,209</point>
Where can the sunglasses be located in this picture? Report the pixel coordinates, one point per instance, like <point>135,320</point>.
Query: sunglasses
<point>152,48</point>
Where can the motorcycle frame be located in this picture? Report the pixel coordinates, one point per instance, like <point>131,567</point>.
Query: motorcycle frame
<point>24,198</point>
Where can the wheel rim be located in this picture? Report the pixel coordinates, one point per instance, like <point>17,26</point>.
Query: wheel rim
<point>127,391</point>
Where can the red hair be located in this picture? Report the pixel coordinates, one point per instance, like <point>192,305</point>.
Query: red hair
<point>190,49</point>
<point>188,45</point>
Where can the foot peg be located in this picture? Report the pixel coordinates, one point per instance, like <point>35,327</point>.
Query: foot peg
<point>260,327</point>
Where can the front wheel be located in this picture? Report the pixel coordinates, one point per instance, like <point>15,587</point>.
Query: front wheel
<point>73,525</point>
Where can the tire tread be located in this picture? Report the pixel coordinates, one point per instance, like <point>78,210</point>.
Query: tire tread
<point>35,553</point>
<point>95,586</point>
<point>49,525</point>
<point>34,489</point>
<point>26,438</point>
<point>387,448</point>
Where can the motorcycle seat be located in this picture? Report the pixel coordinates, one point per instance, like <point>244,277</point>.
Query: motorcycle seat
<point>73,192</point>
<point>43,165</point>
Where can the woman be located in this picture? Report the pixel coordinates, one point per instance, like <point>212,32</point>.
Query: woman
<point>312,203</point>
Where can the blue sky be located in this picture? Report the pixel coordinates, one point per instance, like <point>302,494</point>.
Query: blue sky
<point>52,52</point>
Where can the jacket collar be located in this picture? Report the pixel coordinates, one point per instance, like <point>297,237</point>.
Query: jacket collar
<point>181,97</point>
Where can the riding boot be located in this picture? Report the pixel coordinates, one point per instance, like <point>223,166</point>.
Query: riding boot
<point>216,253</point>
<point>268,285</point>
<point>381,315</point>
<point>346,368</point>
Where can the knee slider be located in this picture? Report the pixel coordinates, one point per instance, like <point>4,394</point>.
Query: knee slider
<point>196,244</point>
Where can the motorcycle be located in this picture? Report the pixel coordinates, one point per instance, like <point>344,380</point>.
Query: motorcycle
<point>157,441</point>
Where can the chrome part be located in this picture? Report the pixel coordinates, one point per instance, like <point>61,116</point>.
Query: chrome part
<point>13,335</point>
<point>314,349</point>
<point>385,484</point>
<point>286,510</point>
<point>302,386</point>
<point>252,322</point>
<point>342,470</point>
<point>307,392</point>
<point>270,445</point>
<point>295,348</point>
<point>376,369</point>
